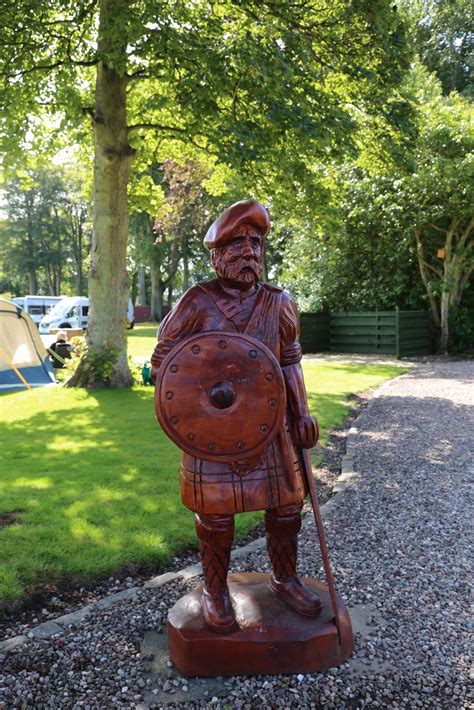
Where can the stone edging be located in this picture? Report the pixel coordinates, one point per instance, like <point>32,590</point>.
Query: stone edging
<point>56,626</point>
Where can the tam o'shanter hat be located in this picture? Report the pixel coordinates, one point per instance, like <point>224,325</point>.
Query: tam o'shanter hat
<point>227,225</point>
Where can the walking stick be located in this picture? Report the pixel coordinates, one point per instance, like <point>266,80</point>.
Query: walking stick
<point>322,537</point>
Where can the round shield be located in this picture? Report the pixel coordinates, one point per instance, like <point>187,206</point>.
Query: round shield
<point>220,396</point>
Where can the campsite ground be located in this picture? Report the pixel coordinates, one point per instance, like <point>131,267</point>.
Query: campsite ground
<point>88,481</point>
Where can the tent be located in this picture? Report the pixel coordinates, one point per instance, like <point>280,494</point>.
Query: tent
<point>23,359</point>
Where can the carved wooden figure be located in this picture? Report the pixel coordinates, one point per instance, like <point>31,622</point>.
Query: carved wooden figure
<point>230,393</point>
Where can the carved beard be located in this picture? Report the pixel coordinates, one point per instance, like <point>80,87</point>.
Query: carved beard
<point>243,272</point>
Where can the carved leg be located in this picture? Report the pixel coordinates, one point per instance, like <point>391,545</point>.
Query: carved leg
<point>282,526</point>
<point>215,533</point>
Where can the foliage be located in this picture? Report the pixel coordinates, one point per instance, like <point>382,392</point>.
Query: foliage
<point>441,33</point>
<point>135,369</point>
<point>43,239</point>
<point>397,221</point>
<point>437,199</point>
<point>98,363</point>
<point>97,480</point>
<point>461,330</point>
<point>267,88</point>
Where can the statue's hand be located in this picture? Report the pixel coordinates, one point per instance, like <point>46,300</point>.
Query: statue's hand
<point>306,431</point>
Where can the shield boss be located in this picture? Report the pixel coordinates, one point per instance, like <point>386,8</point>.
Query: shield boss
<point>220,396</point>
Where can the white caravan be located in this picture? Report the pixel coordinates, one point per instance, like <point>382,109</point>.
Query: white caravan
<point>73,312</point>
<point>37,306</point>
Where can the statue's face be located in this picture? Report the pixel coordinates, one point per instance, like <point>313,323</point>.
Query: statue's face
<point>240,262</point>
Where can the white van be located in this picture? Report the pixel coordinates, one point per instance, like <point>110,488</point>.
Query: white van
<point>73,312</point>
<point>37,306</point>
<point>70,312</point>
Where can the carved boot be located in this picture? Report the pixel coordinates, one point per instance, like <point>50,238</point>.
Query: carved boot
<point>282,545</point>
<point>215,533</point>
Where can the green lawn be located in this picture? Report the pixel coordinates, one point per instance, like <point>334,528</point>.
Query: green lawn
<point>93,480</point>
<point>142,340</point>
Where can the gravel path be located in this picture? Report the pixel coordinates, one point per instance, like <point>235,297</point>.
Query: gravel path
<point>398,539</point>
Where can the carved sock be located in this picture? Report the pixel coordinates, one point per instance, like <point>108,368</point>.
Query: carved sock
<point>215,534</point>
<point>282,543</point>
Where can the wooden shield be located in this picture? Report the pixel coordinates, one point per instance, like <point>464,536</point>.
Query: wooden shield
<point>220,396</point>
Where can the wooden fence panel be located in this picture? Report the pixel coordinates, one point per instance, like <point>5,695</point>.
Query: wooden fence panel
<point>415,334</point>
<point>314,336</point>
<point>399,333</point>
<point>363,332</point>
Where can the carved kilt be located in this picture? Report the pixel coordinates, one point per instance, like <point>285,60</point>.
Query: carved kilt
<point>273,479</point>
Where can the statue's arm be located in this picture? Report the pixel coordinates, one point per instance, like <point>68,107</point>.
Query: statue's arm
<point>305,429</point>
<point>183,320</point>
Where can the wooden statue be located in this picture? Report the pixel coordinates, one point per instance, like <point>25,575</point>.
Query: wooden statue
<point>230,393</point>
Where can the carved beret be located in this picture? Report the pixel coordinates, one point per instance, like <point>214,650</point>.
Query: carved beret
<point>226,227</point>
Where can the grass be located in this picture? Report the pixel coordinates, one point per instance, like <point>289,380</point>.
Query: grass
<point>90,481</point>
<point>142,340</point>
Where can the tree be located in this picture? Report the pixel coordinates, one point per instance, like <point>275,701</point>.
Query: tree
<point>267,87</point>
<point>440,197</point>
<point>44,237</point>
<point>441,33</point>
<point>179,226</point>
<point>361,260</point>
<point>419,215</point>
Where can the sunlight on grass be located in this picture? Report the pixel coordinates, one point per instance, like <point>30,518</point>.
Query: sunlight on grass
<point>142,340</point>
<point>38,483</point>
<point>96,480</point>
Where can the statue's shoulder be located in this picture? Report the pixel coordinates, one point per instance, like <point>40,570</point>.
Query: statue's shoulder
<point>209,287</point>
<point>195,293</point>
<point>271,288</point>
<point>285,298</point>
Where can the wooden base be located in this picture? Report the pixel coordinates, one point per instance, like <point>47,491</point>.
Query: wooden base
<point>271,638</point>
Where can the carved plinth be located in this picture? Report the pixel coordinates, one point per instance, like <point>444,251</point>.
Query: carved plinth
<point>270,637</point>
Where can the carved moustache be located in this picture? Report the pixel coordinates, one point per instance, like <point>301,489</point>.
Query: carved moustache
<point>245,270</point>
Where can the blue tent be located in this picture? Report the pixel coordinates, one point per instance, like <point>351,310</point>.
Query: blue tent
<point>23,358</point>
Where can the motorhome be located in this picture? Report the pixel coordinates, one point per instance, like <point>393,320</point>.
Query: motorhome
<point>37,306</point>
<point>70,312</point>
<point>73,312</point>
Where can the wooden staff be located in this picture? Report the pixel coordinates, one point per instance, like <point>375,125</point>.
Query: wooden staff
<point>322,537</point>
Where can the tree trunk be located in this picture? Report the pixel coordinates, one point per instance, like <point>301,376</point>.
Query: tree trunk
<point>444,329</point>
<point>58,270</point>
<point>422,264</point>
<point>79,276</point>
<point>142,286</point>
<point>156,295</point>
<point>77,239</point>
<point>185,255</point>
<point>49,278</point>
<point>106,360</point>
<point>31,260</point>
<point>32,282</point>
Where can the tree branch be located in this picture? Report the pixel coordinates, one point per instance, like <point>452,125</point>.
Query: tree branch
<point>54,65</point>
<point>466,233</point>
<point>425,279</point>
<point>155,127</point>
